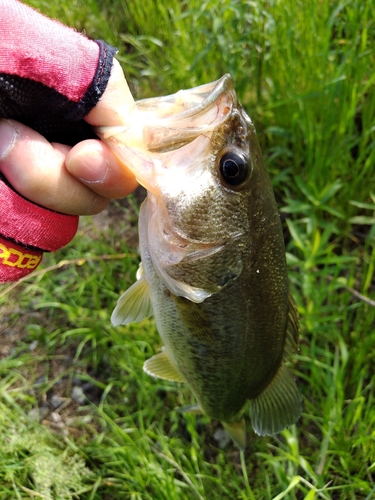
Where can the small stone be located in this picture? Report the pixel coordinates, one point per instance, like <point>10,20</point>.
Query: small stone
<point>56,401</point>
<point>37,414</point>
<point>55,417</point>
<point>43,412</point>
<point>33,345</point>
<point>78,395</point>
<point>222,438</point>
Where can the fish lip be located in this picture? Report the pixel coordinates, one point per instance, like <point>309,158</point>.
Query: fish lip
<point>212,106</point>
<point>214,90</point>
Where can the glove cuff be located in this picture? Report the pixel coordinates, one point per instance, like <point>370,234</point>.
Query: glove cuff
<point>26,230</point>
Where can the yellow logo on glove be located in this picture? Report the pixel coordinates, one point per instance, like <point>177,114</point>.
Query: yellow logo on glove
<point>14,258</point>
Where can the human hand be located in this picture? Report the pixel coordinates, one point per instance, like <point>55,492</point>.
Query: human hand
<point>79,180</point>
<point>74,181</point>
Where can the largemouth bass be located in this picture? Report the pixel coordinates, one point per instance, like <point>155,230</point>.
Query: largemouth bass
<point>213,268</point>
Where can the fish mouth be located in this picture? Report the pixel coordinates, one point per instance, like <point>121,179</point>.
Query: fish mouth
<point>164,125</point>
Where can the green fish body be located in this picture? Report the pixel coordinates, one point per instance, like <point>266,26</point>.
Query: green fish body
<point>213,258</point>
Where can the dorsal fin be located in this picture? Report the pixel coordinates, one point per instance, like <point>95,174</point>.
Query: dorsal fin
<point>292,330</point>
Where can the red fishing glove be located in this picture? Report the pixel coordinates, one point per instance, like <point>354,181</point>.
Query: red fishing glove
<point>50,78</point>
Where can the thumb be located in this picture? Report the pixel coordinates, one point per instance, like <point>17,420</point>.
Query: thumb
<point>116,106</point>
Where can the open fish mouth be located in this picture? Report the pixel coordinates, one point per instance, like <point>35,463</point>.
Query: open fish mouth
<point>167,124</point>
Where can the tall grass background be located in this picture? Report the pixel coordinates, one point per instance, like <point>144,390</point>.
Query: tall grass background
<point>304,71</point>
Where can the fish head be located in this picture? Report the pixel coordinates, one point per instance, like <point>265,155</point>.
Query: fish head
<point>197,154</point>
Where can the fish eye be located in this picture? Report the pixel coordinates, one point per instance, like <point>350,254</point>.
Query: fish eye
<point>234,168</point>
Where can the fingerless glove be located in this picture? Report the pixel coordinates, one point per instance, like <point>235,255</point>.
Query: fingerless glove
<point>50,78</point>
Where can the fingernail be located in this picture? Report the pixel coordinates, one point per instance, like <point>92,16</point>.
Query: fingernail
<point>88,167</point>
<point>8,136</point>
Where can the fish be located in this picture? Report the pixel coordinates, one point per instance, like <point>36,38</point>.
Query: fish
<point>213,269</point>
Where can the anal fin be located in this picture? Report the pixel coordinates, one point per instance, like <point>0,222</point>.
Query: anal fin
<point>237,431</point>
<point>278,405</point>
<point>161,366</point>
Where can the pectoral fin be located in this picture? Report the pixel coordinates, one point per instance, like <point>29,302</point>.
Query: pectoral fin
<point>161,366</point>
<point>134,304</point>
<point>237,431</point>
<point>278,406</point>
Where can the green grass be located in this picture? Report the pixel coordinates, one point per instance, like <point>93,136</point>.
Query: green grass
<point>305,73</point>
